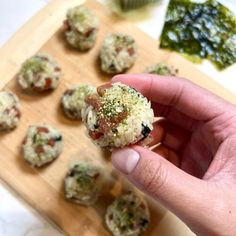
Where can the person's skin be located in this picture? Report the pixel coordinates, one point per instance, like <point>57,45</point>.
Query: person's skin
<point>198,135</point>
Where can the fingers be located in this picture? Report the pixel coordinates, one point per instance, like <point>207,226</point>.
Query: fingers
<point>181,94</point>
<point>168,154</point>
<point>174,116</point>
<point>170,135</point>
<point>166,183</point>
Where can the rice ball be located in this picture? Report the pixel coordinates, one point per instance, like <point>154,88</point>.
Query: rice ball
<point>162,69</point>
<point>117,116</point>
<point>80,27</point>
<point>83,183</point>
<point>73,100</point>
<point>9,111</point>
<point>118,53</point>
<point>42,145</point>
<point>39,73</point>
<point>128,215</point>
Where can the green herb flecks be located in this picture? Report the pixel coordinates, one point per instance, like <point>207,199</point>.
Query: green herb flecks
<point>85,177</point>
<point>122,41</point>
<point>112,108</point>
<point>39,140</point>
<point>202,30</point>
<point>129,213</point>
<point>34,65</point>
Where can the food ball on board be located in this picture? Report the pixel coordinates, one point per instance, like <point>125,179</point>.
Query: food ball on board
<point>83,183</point>
<point>72,100</point>
<point>39,73</point>
<point>42,145</point>
<point>128,215</point>
<point>118,53</point>
<point>80,28</point>
<point>9,111</point>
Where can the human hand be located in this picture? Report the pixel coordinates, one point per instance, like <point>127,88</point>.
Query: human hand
<point>198,135</point>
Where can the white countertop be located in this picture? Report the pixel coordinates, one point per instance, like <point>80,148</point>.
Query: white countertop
<point>17,218</point>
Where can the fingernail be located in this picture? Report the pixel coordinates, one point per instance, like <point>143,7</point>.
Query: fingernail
<point>125,160</point>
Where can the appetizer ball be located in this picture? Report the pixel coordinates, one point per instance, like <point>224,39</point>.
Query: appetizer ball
<point>42,145</point>
<point>128,215</point>
<point>9,111</point>
<point>81,27</point>
<point>73,100</point>
<point>39,73</point>
<point>161,69</point>
<point>83,183</point>
<point>117,116</point>
<point>118,53</point>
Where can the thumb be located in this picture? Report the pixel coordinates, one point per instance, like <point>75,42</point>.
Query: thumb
<point>178,191</point>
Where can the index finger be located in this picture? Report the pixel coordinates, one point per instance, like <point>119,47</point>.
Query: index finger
<point>179,93</point>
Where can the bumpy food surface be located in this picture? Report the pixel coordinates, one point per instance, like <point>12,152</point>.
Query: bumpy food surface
<point>128,215</point>
<point>83,183</point>
<point>80,27</point>
<point>73,100</point>
<point>162,69</point>
<point>39,73</point>
<point>42,145</point>
<point>9,111</point>
<point>118,53</point>
<point>117,116</point>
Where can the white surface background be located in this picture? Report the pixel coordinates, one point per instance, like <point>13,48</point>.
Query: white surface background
<point>17,219</point>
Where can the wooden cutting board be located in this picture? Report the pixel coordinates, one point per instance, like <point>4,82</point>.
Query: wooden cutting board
<point>43,188</point>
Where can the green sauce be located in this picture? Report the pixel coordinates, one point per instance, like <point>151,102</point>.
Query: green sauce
<point>201,30</point>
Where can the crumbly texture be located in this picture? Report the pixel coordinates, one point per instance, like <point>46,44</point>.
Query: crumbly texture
<point>73,100</point>
<point>39,73</point>
<point>118,53</point>
<point>162,69</point>
<point>42,145</point>
<point>128,215</point>
<point>83,183</point>
<point>9,111</point>
<point>117,116</point>
<point>80,27</point>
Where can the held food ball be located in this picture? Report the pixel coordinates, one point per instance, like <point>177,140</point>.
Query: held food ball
<point>9,111</point>
<point>117,116</point>
<point>73,100</point>
<point>162,69</point>
<point>128,215</point>
<point>81,27</point>
<point>118,53</point>
<point>39,73</point>
<point>42,145</point>
<point>83,183</point>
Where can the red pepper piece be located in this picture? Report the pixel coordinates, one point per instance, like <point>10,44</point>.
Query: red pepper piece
<point>51,142</point>
<point>42,130</point>
<point>39,149</point>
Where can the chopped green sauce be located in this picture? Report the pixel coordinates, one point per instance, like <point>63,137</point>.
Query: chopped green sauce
<point>201,30</point>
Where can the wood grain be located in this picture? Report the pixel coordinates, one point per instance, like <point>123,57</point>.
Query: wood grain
<point>43,188</point>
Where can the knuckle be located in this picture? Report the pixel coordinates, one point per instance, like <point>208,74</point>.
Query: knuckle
<point>152,177</point>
